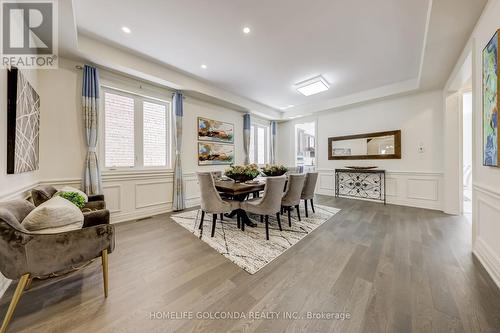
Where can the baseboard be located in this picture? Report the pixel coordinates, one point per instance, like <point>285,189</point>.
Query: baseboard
<point>488,259</point>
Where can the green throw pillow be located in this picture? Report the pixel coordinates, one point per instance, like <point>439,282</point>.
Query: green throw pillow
<point>76,198</point>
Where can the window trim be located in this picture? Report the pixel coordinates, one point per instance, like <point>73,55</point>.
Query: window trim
<point>267,143</point>
<point>139,100</point>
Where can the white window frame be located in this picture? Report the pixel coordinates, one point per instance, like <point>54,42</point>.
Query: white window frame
<point>267,141</point>
<point>138,131</point>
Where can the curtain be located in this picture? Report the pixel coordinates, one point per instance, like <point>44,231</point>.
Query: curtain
<point>273,141</point>
<point>247,125</point>
<point>178,203</point>
<point>90,101</point>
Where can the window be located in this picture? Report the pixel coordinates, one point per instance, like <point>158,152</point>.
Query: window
<point>136,132</point>
<point>259,144</point>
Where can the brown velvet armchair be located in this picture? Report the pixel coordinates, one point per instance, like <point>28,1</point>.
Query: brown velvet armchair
<point>24,255</point>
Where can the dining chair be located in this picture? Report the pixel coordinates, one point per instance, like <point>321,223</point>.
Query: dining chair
<point>292,195</point>
<point>269,203</point>
<point>308,191</point>
<point>211,202</point>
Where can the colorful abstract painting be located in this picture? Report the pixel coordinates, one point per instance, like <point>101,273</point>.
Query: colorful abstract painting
<point>490,103</point>
<point>23,124</point>
<point>213,153</point>
<point>214,130</point>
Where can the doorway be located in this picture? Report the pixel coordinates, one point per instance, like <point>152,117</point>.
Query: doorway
<point>467,154</point>
<point>305,146</point>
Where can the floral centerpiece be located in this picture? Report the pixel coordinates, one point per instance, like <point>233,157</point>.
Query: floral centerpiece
<point>242,173</point>
<point>274,170</point>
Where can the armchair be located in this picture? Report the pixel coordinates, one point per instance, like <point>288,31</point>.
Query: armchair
<point>25,255</point>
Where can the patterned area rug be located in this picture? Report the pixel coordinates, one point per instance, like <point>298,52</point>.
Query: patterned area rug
<point>249,249</point>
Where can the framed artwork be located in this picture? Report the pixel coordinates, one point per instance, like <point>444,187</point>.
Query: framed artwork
<point>491,91</point>
<point>214,130</point>
<point>215,153</point>
<point>23,124</point>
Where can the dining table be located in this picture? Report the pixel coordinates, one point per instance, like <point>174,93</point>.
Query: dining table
<point>240,192</point>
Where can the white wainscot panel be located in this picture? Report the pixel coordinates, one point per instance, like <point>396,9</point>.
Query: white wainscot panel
<point>327,183</point>
<point>423,189</point>
<point>391,187</point>
<point>153,193</point>
<point>113,195</point>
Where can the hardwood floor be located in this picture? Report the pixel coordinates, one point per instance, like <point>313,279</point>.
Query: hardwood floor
<point>392,268</point>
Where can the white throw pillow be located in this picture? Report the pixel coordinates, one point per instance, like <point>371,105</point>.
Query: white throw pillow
<point>54,216</point>
<point>72,189</point>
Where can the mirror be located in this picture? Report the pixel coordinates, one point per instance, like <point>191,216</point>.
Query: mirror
<point>381,145</point>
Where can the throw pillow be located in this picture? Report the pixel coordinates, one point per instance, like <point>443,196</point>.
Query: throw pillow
<point>54,216</point>
<point>72,189</point>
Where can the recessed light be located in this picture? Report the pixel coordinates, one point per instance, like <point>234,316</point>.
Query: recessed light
<point>246,30</point>
<point>312,86</point>
<point>203,66</point>
<point>126,30</point>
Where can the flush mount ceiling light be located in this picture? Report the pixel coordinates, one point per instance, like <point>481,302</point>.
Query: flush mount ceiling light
<point>126,30</point>
<point>203,66</point>
<point>312,86</point>
<point>246,30</point>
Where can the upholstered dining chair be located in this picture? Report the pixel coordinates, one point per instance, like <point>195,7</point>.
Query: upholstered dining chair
<point>308,191</point>
<point>292,195</point>
<point>25,255</point>
<point>270,203</point>
<point>211,202</point>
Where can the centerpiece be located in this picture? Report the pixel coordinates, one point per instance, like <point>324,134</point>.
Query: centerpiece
<point>242,173</point>
<point>274,170</point>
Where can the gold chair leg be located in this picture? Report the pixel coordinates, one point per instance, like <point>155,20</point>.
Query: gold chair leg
<point>28,284</point>
<point>13,303</point>
<point>104,257</point>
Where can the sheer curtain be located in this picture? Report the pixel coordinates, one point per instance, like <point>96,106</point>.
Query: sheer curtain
<point>179,200</point>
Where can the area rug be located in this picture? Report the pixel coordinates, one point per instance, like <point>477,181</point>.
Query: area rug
<point>249,249</point>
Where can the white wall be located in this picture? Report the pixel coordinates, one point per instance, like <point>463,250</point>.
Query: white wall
<point>415,179</point>
<point>486,180</point>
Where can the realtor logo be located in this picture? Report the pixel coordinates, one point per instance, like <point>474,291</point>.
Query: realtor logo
<point>29,34</point>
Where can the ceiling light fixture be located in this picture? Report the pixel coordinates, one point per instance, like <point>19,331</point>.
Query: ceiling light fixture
<point>312,86</point>
<point>246,30</point>
<point>203,66</point>
<point>126,30</point>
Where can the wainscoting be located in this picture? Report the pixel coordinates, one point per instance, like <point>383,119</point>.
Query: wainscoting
<point>486,247</point>
<point>416,189</point>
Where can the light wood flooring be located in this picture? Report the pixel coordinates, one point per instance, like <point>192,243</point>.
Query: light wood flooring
<point>392,268</point>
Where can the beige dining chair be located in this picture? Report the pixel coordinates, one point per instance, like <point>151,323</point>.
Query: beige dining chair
<point>292,195</point>
<point>308,191</point>
<point>270,203</point>
<point>211,202</point>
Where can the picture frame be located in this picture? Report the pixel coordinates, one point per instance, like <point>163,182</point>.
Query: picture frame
<point>211,153</point>
<point>215,130</point>
<point>490,100</point>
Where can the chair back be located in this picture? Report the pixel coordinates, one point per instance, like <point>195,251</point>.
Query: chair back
<point>294,190</point>
<point>309,186</point>
<point>211,201</point>
<point>216,174</point>
<point>273,193</point>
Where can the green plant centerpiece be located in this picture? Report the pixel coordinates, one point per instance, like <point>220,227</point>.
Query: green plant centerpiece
<point>76,198</point>
<point>271,170</point>
<point>242,173</point>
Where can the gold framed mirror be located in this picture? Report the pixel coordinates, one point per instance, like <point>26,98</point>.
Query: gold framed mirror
<point>369,146</point>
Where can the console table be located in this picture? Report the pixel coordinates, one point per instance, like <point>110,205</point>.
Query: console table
<point>360,183</point>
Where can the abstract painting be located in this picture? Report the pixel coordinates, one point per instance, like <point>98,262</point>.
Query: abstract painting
<point>213,153</point>
<point>214,130</point>
<point>23,124</point>
<point>491,91</point>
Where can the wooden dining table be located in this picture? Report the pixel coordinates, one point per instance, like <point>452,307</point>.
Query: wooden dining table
<point>240,191</point>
